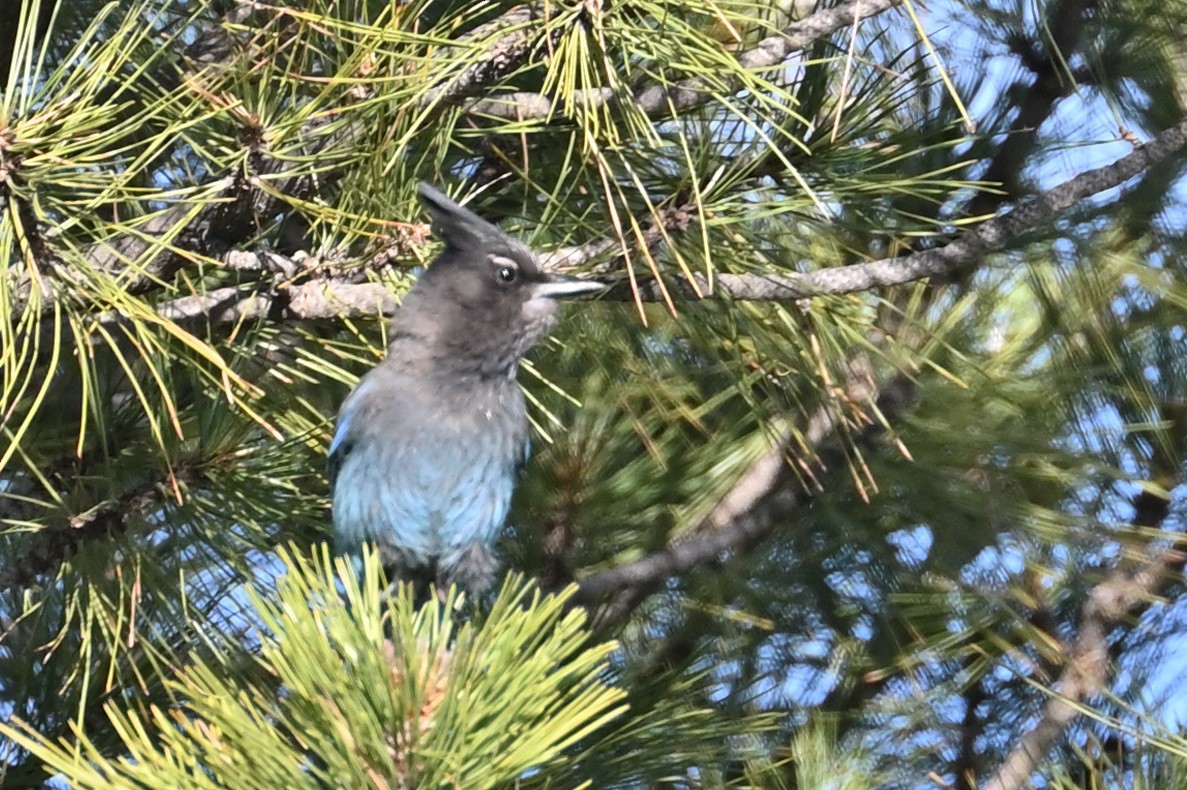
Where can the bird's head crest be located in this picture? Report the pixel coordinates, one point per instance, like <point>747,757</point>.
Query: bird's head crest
<point>456,225</point>
<point>484,300</point>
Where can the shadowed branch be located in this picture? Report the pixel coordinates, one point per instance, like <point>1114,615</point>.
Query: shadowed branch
<point>764,500</point>
<point>1125,592</point>
<point>110,517</point>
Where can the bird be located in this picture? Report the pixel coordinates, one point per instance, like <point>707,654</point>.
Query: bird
<point>428,445</point>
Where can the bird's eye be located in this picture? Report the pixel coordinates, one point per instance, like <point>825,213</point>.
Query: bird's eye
<point>506,274</point>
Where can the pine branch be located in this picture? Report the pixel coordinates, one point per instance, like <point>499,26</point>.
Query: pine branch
<point>778,496</point>
<point>990,236</point>
<point>508,53</point>
<point>336,298</point>
<point>687,94</point>
<point>224,224</point>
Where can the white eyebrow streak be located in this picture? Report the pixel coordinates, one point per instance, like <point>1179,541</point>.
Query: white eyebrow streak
<point>499,260</point>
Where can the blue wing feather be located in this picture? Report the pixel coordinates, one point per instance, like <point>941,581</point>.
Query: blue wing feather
<point>340,431</point>
<point>337,448</point>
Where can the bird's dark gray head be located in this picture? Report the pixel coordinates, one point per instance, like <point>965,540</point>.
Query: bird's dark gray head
<point>483,302</point>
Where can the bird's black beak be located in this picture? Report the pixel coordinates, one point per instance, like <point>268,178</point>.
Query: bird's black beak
<point>560,287</point>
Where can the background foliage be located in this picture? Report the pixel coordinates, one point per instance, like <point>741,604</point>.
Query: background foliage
<point>870,463</point>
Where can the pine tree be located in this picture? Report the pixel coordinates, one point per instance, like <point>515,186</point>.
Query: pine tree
<point>866,472</point>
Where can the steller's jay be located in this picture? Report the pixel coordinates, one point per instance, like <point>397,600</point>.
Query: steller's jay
<point>427,446</point>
